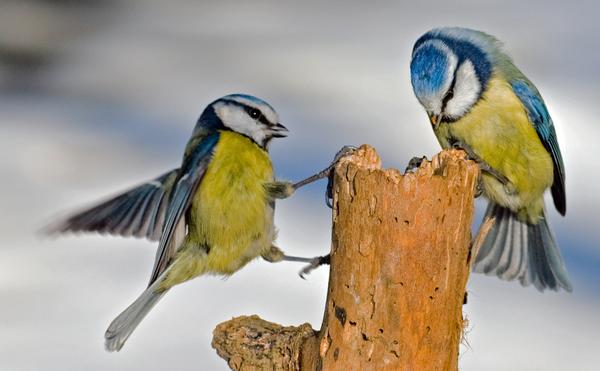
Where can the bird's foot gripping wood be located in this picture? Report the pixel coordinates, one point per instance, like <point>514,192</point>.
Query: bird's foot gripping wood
<point>326,173</point>
<point>479,190</point>
<point>414,163</point>
<point>282,189</point>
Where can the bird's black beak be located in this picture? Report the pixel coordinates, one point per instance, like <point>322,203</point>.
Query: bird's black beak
<point>279,131</point>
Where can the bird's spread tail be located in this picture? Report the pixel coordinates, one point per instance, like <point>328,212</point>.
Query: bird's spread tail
<point>121,327</point>
<point>517,250</point>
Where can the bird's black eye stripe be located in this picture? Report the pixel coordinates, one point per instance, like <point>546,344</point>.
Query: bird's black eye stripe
<point>257,115</point>
<point>449,94</point>
<point>264,120</point>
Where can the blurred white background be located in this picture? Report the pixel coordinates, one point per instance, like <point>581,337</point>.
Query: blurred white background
<point>96,96</point>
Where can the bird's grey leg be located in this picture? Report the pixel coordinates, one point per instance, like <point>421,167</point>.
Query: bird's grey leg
<point>328,173</point>
<point>275,255</point>
<point>414,163</point>
<point>345,151</point>
<point>484,166</point>
<point>283,189</point>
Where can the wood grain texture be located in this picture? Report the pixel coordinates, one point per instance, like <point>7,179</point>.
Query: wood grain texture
<point>250,343</point>
<point>399,267</point>
<point>399,264</point>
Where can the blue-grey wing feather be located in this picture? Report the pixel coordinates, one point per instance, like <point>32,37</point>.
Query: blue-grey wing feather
<point>190,176</point>
<point>138,212</point>
<point>541,120</point>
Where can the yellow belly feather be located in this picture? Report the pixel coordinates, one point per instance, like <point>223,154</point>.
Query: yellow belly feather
<point>230,216</point>
<point>499,131</point>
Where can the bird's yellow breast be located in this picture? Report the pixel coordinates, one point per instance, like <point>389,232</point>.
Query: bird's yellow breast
<point>499,131</point>
<point>230,214</point>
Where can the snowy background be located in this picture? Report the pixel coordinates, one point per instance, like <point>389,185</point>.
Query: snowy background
<point>96,96</point>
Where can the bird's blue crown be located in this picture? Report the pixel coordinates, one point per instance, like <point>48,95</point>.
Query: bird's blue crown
<point>429,63</point>
<point>428,70</point>
<point>251,98</point>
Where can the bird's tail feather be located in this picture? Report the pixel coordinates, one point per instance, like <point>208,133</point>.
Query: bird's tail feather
<point>121,327</point>
<point>517,250</point>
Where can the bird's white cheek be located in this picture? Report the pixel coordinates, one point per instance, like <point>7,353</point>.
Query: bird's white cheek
<point>466,91</point>
<point>258,134</point>
<point>238,121</point>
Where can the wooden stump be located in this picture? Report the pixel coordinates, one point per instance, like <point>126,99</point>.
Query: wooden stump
<point>399,268</point>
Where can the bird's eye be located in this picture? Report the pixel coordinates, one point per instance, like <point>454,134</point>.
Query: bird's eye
<point>254,113</point>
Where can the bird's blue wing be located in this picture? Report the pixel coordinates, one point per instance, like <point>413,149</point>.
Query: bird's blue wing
<point>189,178</point>
<point>540,118</point>
<point>139,212</point>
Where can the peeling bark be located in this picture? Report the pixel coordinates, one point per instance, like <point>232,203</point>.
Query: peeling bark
<point>399,267</point>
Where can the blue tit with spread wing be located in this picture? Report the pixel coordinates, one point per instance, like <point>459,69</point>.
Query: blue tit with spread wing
<point>478,100</point>
<point>212,215</point>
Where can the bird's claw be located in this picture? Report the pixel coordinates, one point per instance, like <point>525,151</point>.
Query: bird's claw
<point>345,151</point>
<point>479,188</point>
<point>329,193</point>
<point>314,264</point>
<point>414,163</point>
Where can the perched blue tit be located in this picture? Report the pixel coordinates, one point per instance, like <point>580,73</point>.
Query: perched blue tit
<point>212,215</point>
<point>478,100</point>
